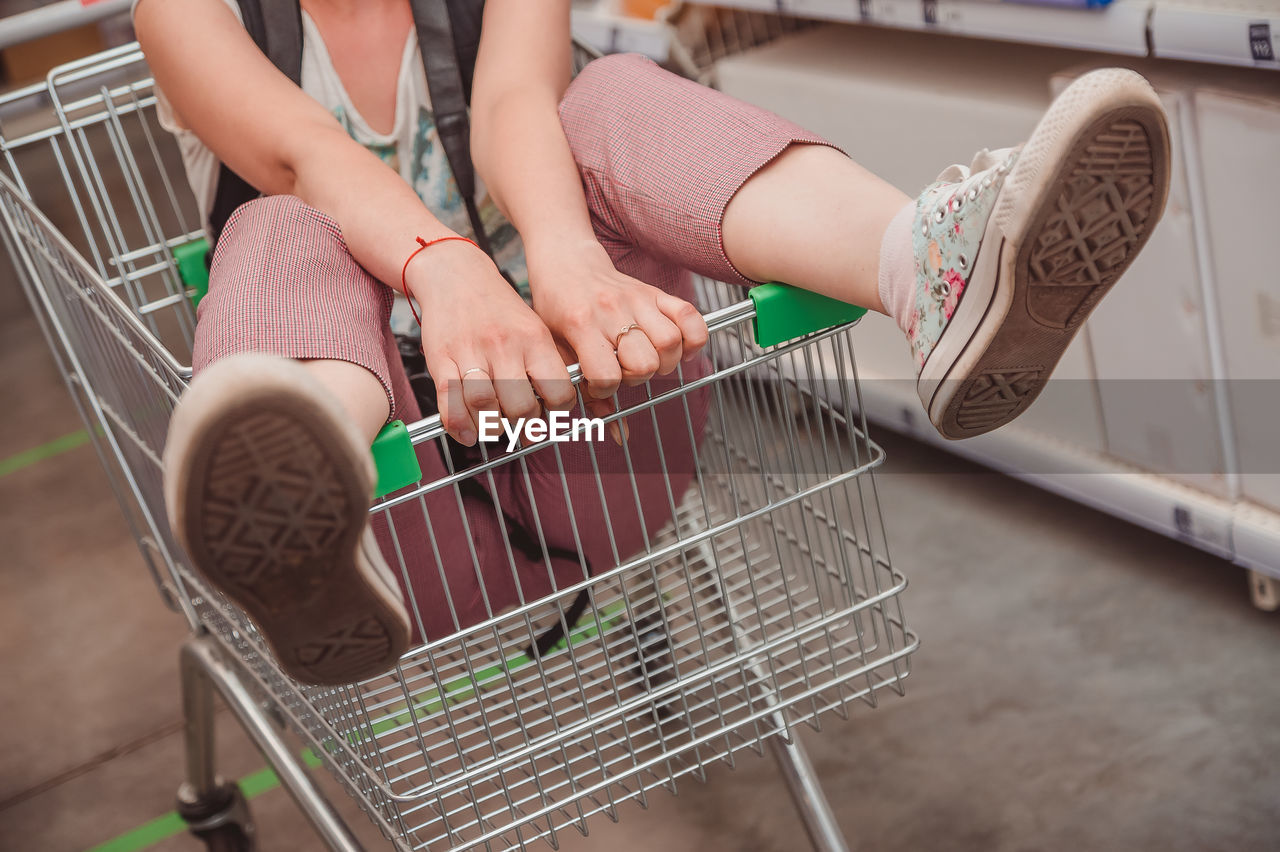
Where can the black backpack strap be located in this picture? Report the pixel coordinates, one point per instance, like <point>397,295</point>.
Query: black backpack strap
<point>276,28</point>
<point>448,38</point>
<point>450,89</point>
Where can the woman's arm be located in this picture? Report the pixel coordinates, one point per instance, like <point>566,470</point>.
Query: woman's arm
<point>520,150</point>
<point>283,142</point>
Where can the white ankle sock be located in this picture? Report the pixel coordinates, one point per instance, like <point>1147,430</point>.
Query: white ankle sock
<point>898,267</point>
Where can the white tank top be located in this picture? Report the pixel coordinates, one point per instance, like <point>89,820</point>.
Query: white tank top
<point>412,147</point>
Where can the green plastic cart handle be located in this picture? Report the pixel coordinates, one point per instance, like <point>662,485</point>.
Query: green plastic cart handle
<point>192,268</point>
<point>784,313</point>
<point>395,459</point>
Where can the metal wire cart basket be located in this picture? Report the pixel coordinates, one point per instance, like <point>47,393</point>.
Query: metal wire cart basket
<point>764,603</point>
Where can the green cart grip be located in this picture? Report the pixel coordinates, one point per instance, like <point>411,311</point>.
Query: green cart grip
<point>395,459</point>
<point>784,313</point>
<point>192,269</point>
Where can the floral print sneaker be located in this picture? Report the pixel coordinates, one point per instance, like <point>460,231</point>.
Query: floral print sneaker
<point>1013,252</point>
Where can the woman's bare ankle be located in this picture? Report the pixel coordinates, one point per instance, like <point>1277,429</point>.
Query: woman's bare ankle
<point>357,389</point>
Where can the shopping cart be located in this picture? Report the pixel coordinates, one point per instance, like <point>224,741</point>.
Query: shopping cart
<point>767,601</point>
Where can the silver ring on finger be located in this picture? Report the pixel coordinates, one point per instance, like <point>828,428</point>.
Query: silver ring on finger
<point>480,370</point>
<point>623,332</point>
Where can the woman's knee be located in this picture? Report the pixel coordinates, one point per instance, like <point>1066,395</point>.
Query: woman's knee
<point>595,85</point>
<point>280,217</point>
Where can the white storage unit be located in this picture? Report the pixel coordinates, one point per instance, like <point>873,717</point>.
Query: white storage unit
<point>1239,139</point>
<point>1230,32</point>
<point>1150,338</point>
<point>1234,32</point>
<point>907,104</point>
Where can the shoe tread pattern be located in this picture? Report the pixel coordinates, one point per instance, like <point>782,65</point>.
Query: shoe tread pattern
<point>358,646</point>
<point>273,511</point>
<point>1097,221</point>
<point>1108,199</point>
<point>277,530</point>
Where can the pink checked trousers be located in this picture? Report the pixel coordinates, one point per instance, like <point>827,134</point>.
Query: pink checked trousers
<point>660,158</point>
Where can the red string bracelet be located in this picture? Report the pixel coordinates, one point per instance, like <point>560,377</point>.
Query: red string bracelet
<point>423,244</point>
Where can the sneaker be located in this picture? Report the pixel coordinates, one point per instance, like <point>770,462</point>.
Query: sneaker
<point>1014,251</point>
<point>268,486</point>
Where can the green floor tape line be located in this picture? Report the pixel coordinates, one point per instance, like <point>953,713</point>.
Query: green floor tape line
<point>465,687</point>
<point>169,825</point>
<point>265,780</point>
<point>56,447</point>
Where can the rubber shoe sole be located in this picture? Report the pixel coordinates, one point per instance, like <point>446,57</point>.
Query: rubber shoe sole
<point>1078,205</point>
<point>268,486</point>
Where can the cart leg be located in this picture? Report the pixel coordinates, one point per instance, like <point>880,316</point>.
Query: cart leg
<point>215,810</point>
<point>203,671</point>
<point>806,792</point>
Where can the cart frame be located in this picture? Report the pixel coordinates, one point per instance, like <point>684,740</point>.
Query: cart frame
<point>106,304</point>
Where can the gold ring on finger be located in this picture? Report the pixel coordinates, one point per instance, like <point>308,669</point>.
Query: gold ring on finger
<point>626,329</point>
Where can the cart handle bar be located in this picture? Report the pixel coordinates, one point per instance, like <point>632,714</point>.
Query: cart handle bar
<point>779,312</point>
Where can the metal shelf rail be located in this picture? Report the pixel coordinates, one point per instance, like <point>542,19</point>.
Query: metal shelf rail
<point>1228,32</point>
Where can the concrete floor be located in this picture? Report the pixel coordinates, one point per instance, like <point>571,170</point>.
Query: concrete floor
<point>1082,684</point>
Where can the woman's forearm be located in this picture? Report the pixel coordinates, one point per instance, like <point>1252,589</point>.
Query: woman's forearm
<point>521,152</point>
<point>378,212</point>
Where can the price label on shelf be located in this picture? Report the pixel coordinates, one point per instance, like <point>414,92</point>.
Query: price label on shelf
<point>1260,44</point>
<point>930,12</point>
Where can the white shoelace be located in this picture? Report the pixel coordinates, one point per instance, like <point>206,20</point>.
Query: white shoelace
<point>982,161</point>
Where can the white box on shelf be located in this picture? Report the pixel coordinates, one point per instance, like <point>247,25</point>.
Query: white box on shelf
<point>1236,32</point>
<point>905,105</point>
<point>1120,27</point>
<point>1239,137</point>
<point>1150,342</point>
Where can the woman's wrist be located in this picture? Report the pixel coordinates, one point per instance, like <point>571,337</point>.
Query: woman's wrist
<point>554,263</point>
<point>435,267</point>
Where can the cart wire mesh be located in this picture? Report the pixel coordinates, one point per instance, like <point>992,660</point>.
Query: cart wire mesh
<point>765,601</point>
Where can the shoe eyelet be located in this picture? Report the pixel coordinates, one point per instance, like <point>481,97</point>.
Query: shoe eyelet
<point>964,261</point>
<point>940,215</point>
<point>941,290</point>
<point>957,203</point>
<point>924,229</point>
<point>973,194</point>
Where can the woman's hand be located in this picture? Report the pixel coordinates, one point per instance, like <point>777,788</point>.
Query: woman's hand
<point>594,310</point>
<point>485,349</point>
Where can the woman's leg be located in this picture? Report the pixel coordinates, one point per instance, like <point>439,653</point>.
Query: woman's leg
<point>715,185</point>
<point>990,273</point>
<point>815,218</point>
<point>283,283</point>
<point>267,469</point>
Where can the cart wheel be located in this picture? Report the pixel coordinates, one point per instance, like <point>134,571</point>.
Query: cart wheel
<point>655,663</point>
<point>220,819</point>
